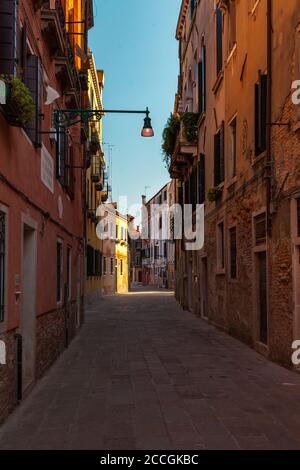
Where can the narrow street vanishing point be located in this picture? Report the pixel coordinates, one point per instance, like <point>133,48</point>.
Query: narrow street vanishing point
<point>143,374</point>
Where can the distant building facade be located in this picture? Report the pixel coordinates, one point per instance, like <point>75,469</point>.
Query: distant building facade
<point>158,249</point>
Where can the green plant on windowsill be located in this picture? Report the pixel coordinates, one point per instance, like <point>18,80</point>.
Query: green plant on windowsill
<point>213,194</point>
<point>190,126</point>
<point>19,107</point>
<point>169,138</point>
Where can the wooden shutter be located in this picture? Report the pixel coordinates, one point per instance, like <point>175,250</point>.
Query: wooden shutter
<point>33,79</point>
<point>263,111</point>
<point>233,253</point>
<point>222,147</point>
<point>217,158</point>
<point>219,39</point>
<point>201,179</point>
<point>202,81</point>
<point>8,29</point>
<point>261,90</point>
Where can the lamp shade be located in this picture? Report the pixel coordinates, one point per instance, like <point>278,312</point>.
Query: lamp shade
<point>147,130</point>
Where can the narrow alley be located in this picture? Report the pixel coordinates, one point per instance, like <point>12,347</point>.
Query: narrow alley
<point>143,374</point>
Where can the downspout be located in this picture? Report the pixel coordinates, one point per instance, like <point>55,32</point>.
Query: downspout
<point>269,162</point>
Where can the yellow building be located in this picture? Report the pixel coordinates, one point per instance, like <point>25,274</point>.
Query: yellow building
<point>95,191</point>
<point>121,253</point>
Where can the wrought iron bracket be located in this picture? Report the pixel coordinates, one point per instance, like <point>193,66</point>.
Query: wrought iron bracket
<point>69,117</point>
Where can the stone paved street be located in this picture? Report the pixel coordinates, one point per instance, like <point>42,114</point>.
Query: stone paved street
<point>143,374</point>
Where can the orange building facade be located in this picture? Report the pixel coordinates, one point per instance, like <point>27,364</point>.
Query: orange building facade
<point>42,187</point>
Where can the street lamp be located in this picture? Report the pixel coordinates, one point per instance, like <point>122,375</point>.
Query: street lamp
<point>69,117</point>
<point>147,130</point>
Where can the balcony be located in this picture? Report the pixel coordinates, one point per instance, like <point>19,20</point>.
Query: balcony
<point>183,154</point>
<point>53,25</point>
<point>95,145</point>
<point>96,170</point>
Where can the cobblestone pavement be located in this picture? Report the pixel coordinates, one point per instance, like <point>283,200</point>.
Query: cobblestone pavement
<point>143,374</point>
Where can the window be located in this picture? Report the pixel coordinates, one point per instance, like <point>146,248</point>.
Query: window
<point>202,81</point>
<point>59,270</point>
<point>33,79</point>
<point>159,201</point>
<point>193,4</point>
<point>260,229</point>
<point>233,253</point>
<point>261,115</point>
<point>90,261</point>
<point>69,273</point>
<point>8,28</point>
<point>117,232</point>
<point>201,179</point>
<point>156,252</point>
<point>232,148</point>
<point>160,221</point>
<point>232,24</point>
<point>112,265</point>
<point>2,263</point>
<point>62,157</point>
<point>165,250</point>
<point>220,246</point>
<point>219,40</point>
<point>121,267</point>
<point>165,195</point>
<point>219,156</point>
<point>98,263</point>
<point>104,265</point>
<point>193,188</point>
<point>298,217</point>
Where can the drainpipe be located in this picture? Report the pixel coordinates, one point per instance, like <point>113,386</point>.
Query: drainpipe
<point>269,163</point>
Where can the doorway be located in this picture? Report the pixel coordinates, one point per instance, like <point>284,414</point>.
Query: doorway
<point>262,296</point>
<point>78,310</point>
<point>204,288</point>
<point>28,318</point>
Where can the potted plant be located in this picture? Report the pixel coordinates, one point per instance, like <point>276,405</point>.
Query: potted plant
<point>214,194</point>
<point>169,137</point>
<point>190,126</point>
<point>19,108</point>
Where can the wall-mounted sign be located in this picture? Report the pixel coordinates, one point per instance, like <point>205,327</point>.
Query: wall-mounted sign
<point>47,169</point>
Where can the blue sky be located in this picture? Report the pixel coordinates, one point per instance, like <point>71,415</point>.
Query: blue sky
<point>134,42</point>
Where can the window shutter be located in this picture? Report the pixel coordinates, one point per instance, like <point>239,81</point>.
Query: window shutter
<point>33,80</point>
<point>222,166</point>
<point>200,87</point>
<point>202,81</point>
<point>257,120</point>
<point>217,159</point>
<point>201,179</point>
<point>219,39</point>
<point>263,106</point>
<point>8,30</point>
